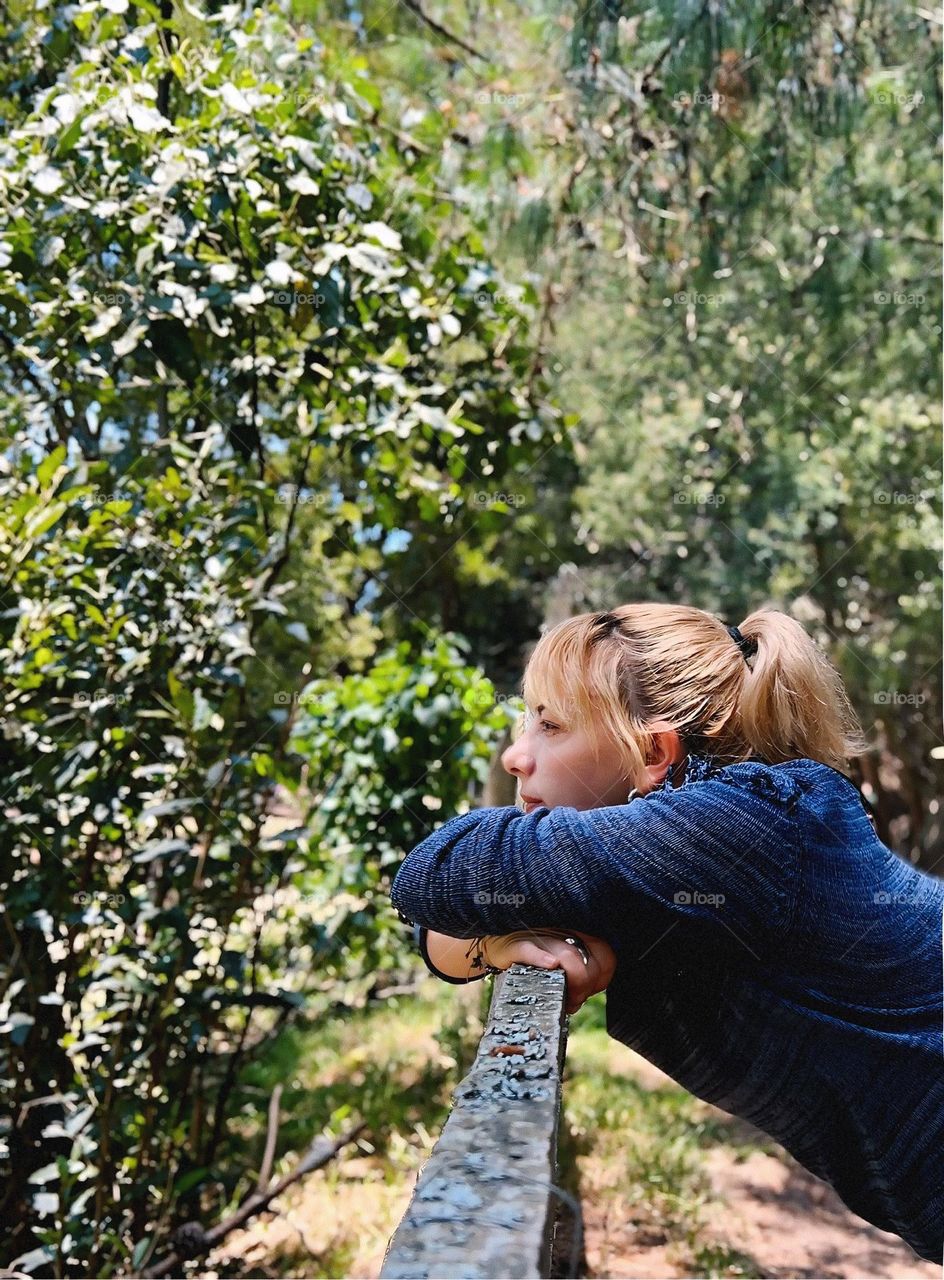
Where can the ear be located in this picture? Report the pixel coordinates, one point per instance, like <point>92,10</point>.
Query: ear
<point>665,751</point>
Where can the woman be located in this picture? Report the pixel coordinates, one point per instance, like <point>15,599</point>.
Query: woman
<point>689,843</point>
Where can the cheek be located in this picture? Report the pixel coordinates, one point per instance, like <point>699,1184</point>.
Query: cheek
<point>602,779</point>
<point>575,768</point>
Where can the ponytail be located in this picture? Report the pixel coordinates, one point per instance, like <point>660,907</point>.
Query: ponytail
<point>792,701</point>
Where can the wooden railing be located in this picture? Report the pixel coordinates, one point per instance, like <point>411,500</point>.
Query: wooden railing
<point>485,1203</point>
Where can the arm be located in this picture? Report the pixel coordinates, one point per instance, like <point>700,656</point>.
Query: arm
<point>448,960</point>
<point>710,851</point>
<point>451,958</point>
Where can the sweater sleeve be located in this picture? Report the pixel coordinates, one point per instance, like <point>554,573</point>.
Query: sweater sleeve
<point>711,851</point>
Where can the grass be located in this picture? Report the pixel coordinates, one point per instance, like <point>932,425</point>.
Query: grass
<point>711,1260</point>
<point>395,1067</point>
<point>626,1148</point>
<point>639,1149</point>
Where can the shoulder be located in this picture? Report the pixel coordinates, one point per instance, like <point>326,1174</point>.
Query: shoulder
<point>784,784</point>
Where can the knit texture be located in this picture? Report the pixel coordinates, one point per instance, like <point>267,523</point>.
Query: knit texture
<point>774,957</point>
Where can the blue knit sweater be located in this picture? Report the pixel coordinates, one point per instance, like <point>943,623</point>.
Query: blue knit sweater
<point>773,957</point>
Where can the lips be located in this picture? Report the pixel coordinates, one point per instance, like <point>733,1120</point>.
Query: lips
<point>531,802</point>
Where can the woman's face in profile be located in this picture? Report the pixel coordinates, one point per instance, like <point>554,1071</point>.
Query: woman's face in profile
<point>554,765</point>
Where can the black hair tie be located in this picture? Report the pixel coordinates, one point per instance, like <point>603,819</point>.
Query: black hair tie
<point>747,644</point>
<point>607,622</point>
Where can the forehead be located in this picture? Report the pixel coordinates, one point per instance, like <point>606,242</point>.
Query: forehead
<point>560,689</point>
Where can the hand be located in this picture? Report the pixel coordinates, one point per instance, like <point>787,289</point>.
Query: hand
<point>547,951</point>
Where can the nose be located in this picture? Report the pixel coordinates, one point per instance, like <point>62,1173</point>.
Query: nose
<point>517,760</point>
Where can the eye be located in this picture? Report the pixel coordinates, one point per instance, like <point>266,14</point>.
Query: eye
<point>547,726</point>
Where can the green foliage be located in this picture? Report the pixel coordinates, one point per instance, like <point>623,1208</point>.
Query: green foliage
<point>388,753</point>
<point>243,258</point>
<point>134,858</point>
<point>765,429</point>
<point>731,219</point>
<point>244,346</point>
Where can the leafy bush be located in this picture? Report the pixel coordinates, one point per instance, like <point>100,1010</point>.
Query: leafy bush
<point>132,836</point>
<point>240,342</point>
<point>160,930</point>
<point>389,753</point>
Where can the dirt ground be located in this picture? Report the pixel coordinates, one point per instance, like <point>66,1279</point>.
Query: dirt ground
<point>786,1222</point>
<point>780,1219</point>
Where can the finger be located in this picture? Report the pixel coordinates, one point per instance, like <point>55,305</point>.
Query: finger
<point>578,984</point>
<point>531,953</point>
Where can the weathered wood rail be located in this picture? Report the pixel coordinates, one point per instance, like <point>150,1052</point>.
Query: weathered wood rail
<point>485,1202</point>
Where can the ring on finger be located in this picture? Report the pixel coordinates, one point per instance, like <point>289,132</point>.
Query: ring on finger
<point>581,947</point>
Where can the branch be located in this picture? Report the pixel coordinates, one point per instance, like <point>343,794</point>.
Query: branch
<point>62,424</point>
<point>265,1172</point>
<point>405,139</point>
<point>166,38</point>
<point>193,1242</point>
<point>281,559</point>
<point>415,7</point>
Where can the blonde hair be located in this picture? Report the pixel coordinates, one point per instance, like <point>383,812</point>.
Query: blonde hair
<point>647,667</point>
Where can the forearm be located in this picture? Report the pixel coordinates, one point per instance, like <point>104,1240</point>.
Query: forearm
<point>492,871</point>
<point>589,962</point>
<point>449,954</point>
<point>454,956</point>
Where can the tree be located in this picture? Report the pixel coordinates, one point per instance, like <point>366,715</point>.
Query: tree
<point>241,341</point>
<point>730,218</point>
